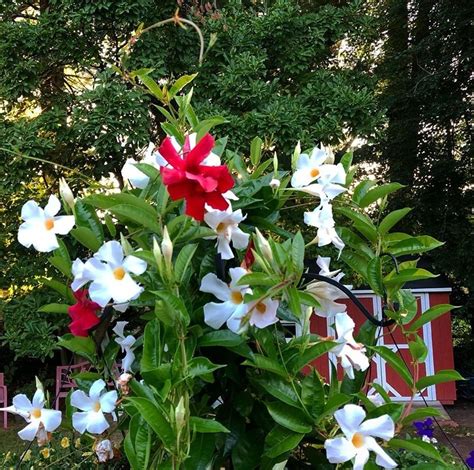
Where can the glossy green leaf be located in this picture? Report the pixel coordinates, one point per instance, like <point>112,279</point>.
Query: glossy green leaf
<point>334,402</point>
<point>83,346</point>
<point>280,440</point>
<point>379,192</point>
<point>446,375</point>
<point>256,150</point>
<point>390,220</point>
<point>408,275</point>
<point>152,348</point>
<point>395,361</point>
<point>421,413</point>
<point>289,417</point>
<point>431,314</point>
<point>262,362</point>
<point>198,366</point>
<point>85,236</point>
<point>374,275</point>
<point>280,389</point>
<point>127,213</point>
<point>361,190</point>
<point>297,252</point>
<point>414,245</point>
<point>310,354</point>
<point>361,222</point>
<point>224,338</point>
<point>183,261</point>
<point>418,350</point>
<point>54,308</point>
<point>152,86</point>
<point>417,446</point>
<point>179,84</point>
<point>206,425</point>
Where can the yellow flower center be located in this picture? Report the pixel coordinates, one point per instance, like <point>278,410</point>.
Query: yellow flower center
<point>49,224</point>
<point>357,440</point>
<point>261,308</point>
<point>314,173</point>
<point>221,227</point>
<point>36,413</point>
<point>119,273</point>
<point>97,407</point>
<point>236,297</point>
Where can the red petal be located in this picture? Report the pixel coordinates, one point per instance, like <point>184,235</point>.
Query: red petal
<point>170,154</point>
<point>171,176</point>
<point>217,201</point>
<point>182,190</point>
<point>220,173</point>
<point>195,206</point>
<point>207,183</point>
<point>200,152</point>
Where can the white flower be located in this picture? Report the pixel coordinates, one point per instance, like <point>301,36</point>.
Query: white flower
<point>350,353</point>
<point>329,183</point>
<point>325,293</point>
<point>232,309</point>
<point>359,438</point>
<point>226,226</point>
<point>41,226</point>
<point>93,407</point>
<point>376,399</point>
<point>263,313</point>
<point>34,413</point>
<point>275,183</point>
<point>104,451</point>
<point>312,167</point>
<point>126,343</point>
<point>109,272</point>
<point>322,218</point>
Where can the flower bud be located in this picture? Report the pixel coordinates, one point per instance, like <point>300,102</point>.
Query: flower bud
<point>167,247</point>
<point>104,451</point>
<point>275,183</point>
<point>180,414</point>
<point>66,193</point>
<point>264,246</point>
<point>329,154</point>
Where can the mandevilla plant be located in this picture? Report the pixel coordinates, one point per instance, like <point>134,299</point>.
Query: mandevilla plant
<point>180,304</point>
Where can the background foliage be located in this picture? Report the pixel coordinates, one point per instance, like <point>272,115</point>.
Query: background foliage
<point>320,70</point>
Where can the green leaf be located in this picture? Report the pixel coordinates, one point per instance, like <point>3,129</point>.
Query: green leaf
<point>256,150</point>
<point>374,275</point>
<point>312,394</point>
<point>201,453</point>
<point>297,252</point>
<point>106,201</point>
<point>59,287</point>
<point>86,217</point>
<point>175,305</point>
<point>407,275</point>
<point>361,222</point>
<point>83,346</point>
<point>257,279</point>
<point>155,419</point>
<point>417,446</point>
<point>198,366</point>
<point>379,192</point>
<point>262,362</point>
<point>248,450</point>
<point>421,413</point>
<point>85,236</point>
<point>356,262</point>
<point>183,261</point>
<point>395,361</point>
<point>361,190</point>
<point>62,265</point>
<point>54,308</point>
<point>179,84</point>
<point>418,350</point>
<point>127,213</point>
<point>430,315</point>
<point>206,425</point>
<point>280,440</point>
<point>413,245</point>
<point>280,389</point>
<point>152,86</point>
<point>408,306</point>
<point>346,160</point>
<point>334,403</point>
<point>392,219</point>
<point>310,354</point>
<point>207,124</point>
<point>446,375</point>
<point>353,240</point>
<point>224,338</point>
<point>289,417</point>
<point>394,410</point>
<point>152,349</point>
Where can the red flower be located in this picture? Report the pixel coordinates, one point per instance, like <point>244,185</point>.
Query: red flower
<point>249,258</point>
<point>83,314</point>
<point>195,183</point>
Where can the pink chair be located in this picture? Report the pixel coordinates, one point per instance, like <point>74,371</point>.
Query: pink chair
<point>64,383</point>
<point>4,399</point>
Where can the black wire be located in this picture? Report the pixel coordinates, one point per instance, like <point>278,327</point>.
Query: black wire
<point>426,404</point>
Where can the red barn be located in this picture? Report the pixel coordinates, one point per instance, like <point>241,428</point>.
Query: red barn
<point>436,334</point>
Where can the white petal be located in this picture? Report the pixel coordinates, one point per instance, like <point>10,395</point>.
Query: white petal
<point>80,420</point>
<point>28,433</point>
<point>45,241</point>
<point>314,189</point>
<point>38,399</point>
<point>213,285</point>
<point>31,210</point>
<point>344,324</point>
<point>318,156</point>
<point>119,327</point>
<point>382,459</point>
<point>125,289</point>
<point>81,400</point>
<point>134,265</point>
<point>333,190</point>
<point>51,419</point>
<point>350,418</point>
<point>212,160</point>
<point>339,450</point>
<point>382,427</point>
<point>100,293</point>
<point>96,389</point>
<point>215,315</point>
<point>301,178</point>
<point>137,178</point>
<point>63,224</point>
<point>94,269</point>
<point>214,217</point>
<point>223,248</point>
<point>240,239</point>
<point>80,279</point>
<point>235,275</point>
<point>111,252</point>
<point>53,206</point>
<point>22,403</point>
<point>303,162</point>
<point>121,307</point>
<point>108,401</point>
<point>262,320</point>
<point>27,234</point>
<point>128,360</point>
<point>361,458</point>
<point>96,422</point>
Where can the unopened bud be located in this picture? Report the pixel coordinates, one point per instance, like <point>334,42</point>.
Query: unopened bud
<point>104,451</point>
<point>263,245</point>
<point>66,193</point>
<point>275,183</point>
<point>122,382</point>
<point>180,414</point>
<point>167,247</point>
<point>157,252</point>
